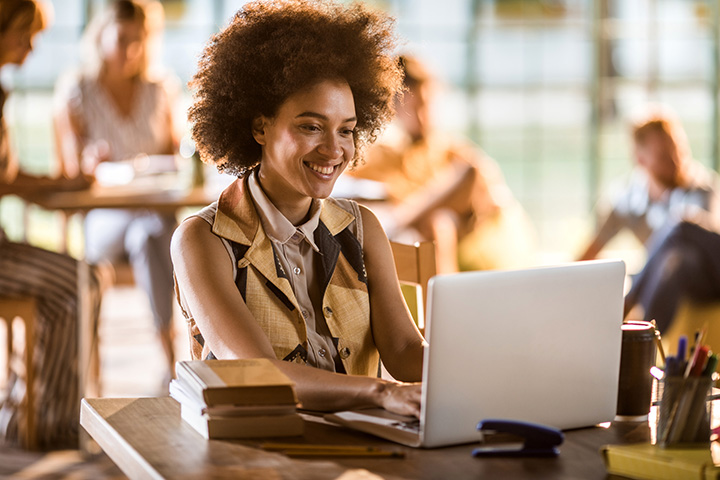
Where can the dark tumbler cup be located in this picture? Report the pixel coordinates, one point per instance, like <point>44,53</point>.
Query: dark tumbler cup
<point>636,360</point>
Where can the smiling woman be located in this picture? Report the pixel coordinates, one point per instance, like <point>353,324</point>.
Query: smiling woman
<point>286,97</point>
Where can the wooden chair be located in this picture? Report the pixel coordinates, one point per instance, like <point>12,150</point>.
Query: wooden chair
<point>112,275</point>
<point>690,318</point>
<point>123,274</point>
<point>24,309</point>
<point>415,265</point>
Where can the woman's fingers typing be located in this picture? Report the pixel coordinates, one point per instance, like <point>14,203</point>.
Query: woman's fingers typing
<point>403,399</point>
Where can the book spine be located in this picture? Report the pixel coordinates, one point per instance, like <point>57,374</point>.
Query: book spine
<point>255,427</point>
<point>243,427</point>
<point>280,395</point>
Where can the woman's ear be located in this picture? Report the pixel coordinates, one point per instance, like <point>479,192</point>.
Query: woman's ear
<point>258,129</point>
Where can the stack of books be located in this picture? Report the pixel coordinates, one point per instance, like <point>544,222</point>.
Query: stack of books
<point>236,398</point>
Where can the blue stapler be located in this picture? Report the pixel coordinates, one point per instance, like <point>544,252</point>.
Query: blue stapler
<point>540,440</point>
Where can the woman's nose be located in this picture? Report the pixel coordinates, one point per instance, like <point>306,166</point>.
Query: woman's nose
<point>330,146</point>
<point>133,50</point>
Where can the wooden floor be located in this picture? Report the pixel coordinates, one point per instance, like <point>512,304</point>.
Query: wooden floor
<point>67,464</point>
<point>132,365</point>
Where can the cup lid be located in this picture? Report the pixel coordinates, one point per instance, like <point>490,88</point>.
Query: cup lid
<point>638,328</point>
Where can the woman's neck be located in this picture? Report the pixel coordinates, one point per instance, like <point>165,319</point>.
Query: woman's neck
<point>295,210</point>
<point>121,90</point>
<point>111,76</point>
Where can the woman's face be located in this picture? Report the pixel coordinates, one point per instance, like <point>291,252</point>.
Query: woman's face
<point>308,144</point>
<point>122,47</point>
<point>413,110</point>
<point>16,44</point>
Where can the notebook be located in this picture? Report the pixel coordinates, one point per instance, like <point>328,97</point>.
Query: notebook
<point>540,345</point>
<point>652,462</point>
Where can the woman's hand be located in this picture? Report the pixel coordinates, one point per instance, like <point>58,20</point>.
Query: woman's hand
<point>402,398</point>
<point>93,155</point>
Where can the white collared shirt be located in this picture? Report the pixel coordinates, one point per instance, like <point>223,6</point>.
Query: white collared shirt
<point>300,258</point>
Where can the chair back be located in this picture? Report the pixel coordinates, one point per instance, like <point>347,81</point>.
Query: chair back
<point>415,265</point>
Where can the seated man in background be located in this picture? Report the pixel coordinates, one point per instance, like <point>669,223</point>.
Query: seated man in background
<point>444,189</point>
<point>671,205</point>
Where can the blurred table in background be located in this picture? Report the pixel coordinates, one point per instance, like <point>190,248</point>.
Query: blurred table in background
<point>140,195</point>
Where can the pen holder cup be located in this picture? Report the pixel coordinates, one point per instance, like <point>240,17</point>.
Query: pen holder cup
<point>684,412</point>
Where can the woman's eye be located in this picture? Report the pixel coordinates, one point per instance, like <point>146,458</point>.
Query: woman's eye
<point>347,131</point>
<point>310,128</point>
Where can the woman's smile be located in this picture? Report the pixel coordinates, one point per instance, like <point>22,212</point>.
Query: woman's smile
<point>324,171</point>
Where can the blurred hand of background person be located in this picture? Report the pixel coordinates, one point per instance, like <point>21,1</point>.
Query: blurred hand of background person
<point>30,186</point>
<point>93,154</point>
<point>443,188</point>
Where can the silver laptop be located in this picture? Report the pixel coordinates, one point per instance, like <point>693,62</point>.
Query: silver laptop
<point>539,345</point>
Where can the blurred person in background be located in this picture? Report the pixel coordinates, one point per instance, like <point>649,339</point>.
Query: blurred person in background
<point>30,272</point>
<point>671,205</point>
<point>444,188</point>
<point>112,111</point>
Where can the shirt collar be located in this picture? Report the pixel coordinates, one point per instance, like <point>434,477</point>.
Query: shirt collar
<point>237,219</point>
<point>275,224</point>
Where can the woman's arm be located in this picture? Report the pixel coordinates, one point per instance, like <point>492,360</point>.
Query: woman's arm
<point>204,274</point>
<point>76,155</point>
<point>29,186</point>
<point>610,227</point>
<point>170,97</point>
<point>450,189</point>
<point>395,334</point>
<point>13,181</point>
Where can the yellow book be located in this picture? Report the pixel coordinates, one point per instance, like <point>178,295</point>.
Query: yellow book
<point>646,461</point>
<point>236,382</point>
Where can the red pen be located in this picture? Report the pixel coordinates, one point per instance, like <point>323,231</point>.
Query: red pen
<point>693,358</point>
<point>699,361</point>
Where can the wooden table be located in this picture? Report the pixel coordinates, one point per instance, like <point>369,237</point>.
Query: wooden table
<point>146,438</point>
<point>135,195</point>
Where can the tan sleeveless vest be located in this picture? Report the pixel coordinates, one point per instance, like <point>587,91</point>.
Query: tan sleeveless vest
<point>263,284</point>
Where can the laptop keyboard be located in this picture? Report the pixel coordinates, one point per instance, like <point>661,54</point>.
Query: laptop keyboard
<point>410,426</point>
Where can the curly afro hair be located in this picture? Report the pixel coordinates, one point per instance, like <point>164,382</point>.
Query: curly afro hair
<point>273,49</point>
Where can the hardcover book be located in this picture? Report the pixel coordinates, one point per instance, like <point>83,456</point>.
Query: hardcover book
<point>243,427</point>
<point>236,382</point>
<point>195,403</point>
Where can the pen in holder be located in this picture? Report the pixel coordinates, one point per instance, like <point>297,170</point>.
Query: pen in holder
<point>684,412</point>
